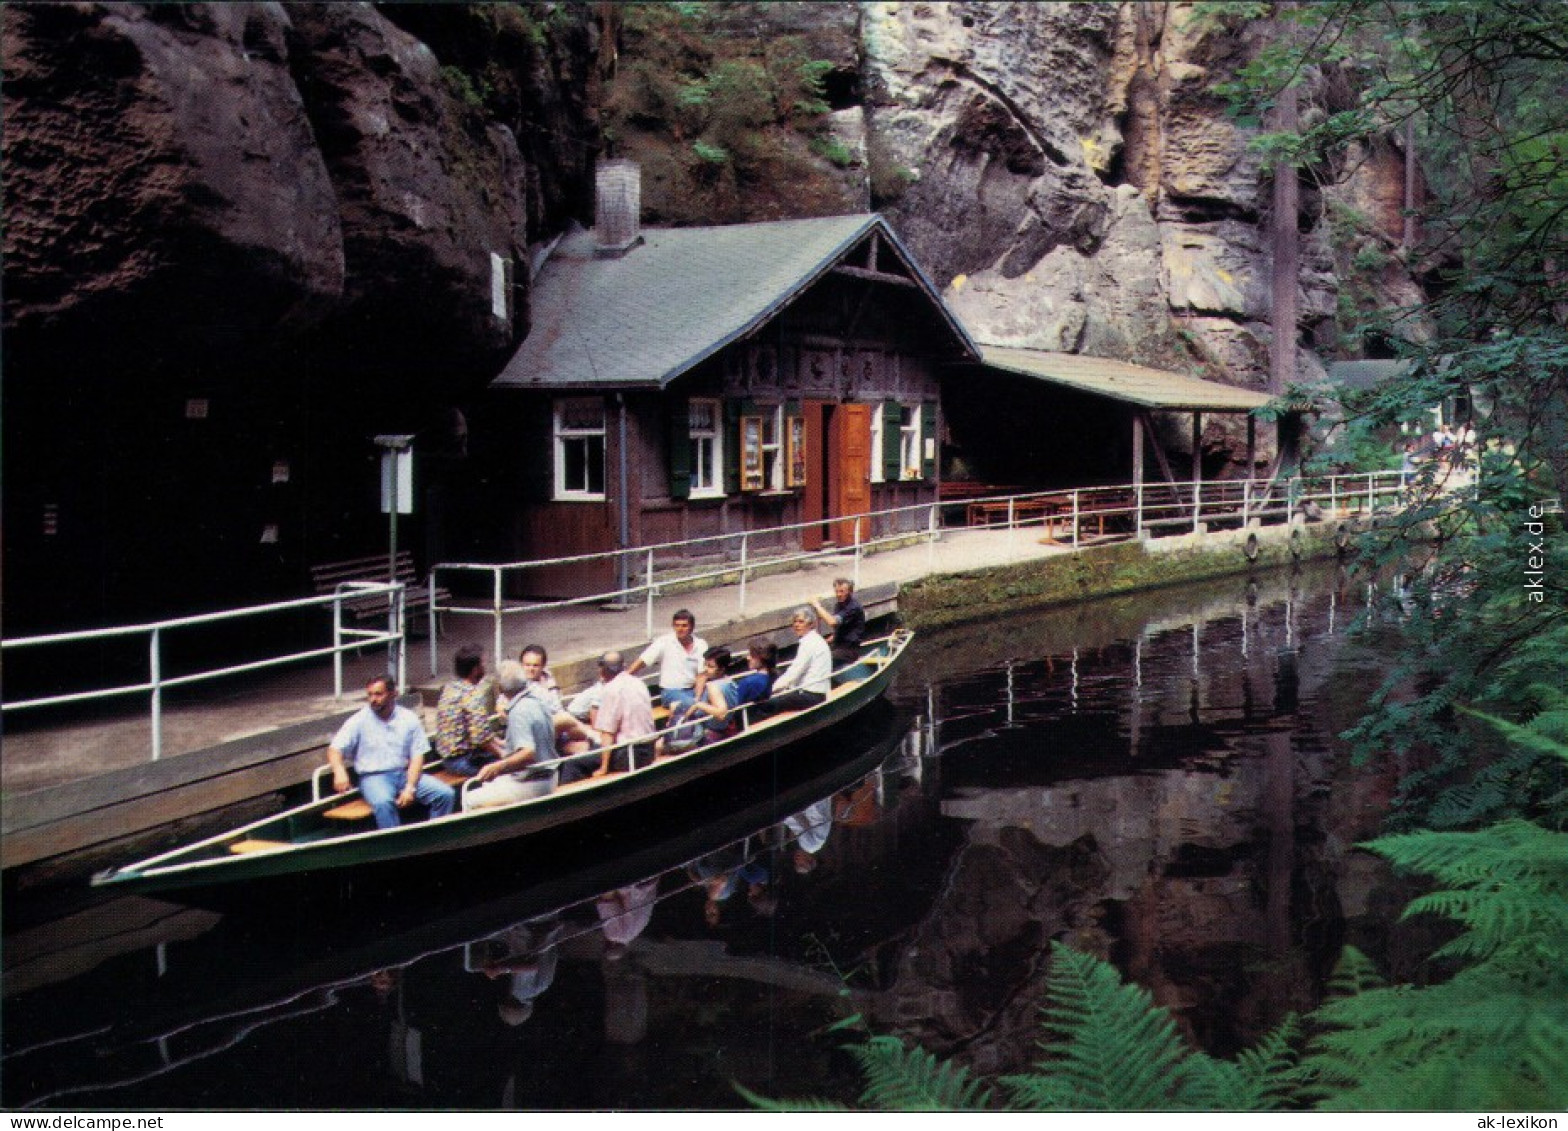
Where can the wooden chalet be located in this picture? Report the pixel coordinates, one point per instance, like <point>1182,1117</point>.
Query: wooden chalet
<point>678,383</point>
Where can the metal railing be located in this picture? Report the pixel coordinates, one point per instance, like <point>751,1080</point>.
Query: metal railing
<point>344,639</point>
<point>1071,518</point>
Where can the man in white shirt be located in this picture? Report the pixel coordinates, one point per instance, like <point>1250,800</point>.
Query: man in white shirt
<point>809,677</point>
<point>679,656</point>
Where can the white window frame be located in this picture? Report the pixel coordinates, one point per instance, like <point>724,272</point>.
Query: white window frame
<point>565,434</point>
<point>773,451</point>
<point>876,443</point>
<point>910,451</point>
<point>707,449</point>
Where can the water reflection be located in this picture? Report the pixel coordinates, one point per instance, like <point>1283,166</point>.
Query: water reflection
<point>1153,779</point>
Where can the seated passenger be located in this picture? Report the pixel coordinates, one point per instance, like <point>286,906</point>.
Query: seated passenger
<point>529,743</point>
<point>625,716</point>
<point>685,729</point>
<point>570,732</point>
<point>809,677</point>
<point>386,745</point>
<point>466,734</point>
<point>727,696</point>
<point>679,656</point>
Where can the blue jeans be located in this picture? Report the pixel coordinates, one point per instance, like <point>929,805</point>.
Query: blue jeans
<point>677,699</point>
<point>469,764</point>
<point>380,790</point>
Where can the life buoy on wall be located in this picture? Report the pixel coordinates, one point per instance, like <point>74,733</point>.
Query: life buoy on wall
<point>1251,548</point>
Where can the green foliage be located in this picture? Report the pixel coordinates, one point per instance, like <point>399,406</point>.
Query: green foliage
<point>900,1079</point>
<point>1105,1047</point>
<point>463,87</point>
<point>1494,1034</point>
<point>834,150</point>
<point>751,108</point>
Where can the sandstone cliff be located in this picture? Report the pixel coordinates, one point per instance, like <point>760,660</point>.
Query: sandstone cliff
<point>337,177</point>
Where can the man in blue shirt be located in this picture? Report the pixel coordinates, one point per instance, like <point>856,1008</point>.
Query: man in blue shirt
<point>386,744</point>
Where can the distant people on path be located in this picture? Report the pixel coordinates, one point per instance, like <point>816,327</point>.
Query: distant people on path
<point>809,677</point>
<point>625,713</point>
<point>386,746</point>
<point>847,621</point>
<point>466,733</point>
<point>678,655</point>
<point>529,743</point>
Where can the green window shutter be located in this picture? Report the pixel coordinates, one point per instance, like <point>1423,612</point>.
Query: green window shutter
<point>928,440</point>
<point>733,410</point>
<point>680,448</point>
<point>537,431</point>
<point>892,438</point>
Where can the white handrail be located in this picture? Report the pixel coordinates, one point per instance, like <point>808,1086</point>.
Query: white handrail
<point>1189,504</point>
<point>343,640</point>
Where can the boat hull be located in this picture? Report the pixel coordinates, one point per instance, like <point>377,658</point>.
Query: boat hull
<point>423,854</point>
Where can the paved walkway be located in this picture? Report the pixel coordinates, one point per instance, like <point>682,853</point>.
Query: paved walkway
<point>36,756</point>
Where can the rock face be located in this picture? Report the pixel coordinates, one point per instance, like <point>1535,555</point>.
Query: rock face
<point>294,179</point>
<point>1076,184</point>
<point>162,155</point>
<point>240,240</point>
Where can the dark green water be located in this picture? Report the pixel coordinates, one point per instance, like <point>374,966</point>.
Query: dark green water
<point>1155,779</point>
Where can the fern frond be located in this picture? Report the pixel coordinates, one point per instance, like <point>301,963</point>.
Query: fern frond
<point>1107,1044</point>
<point>1267,1070</point>
<point>900,1079</point>
<point>1039,1092</point>
<point>763,1103</point>
<point>1353,973</point>
<point>1528,737</point>
<point>1514,850</point>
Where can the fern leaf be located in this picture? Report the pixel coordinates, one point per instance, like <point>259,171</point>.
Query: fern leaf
<point>1108,1045</point>
<point>900,1079</point>
<point>763,1103</point>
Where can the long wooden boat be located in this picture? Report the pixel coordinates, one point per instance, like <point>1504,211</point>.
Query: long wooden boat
<point>313,842</point>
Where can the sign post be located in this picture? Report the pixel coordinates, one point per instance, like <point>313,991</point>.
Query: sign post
<point>397,497</point>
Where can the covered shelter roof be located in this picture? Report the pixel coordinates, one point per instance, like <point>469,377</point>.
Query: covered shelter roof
<point>642,319</point>
<point>1124,381</point>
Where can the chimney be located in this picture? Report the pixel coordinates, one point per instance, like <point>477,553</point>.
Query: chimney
<point>617,208</point>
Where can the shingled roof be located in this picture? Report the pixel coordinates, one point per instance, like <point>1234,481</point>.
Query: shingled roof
<point>1123,381</point>
<point>642,320</point>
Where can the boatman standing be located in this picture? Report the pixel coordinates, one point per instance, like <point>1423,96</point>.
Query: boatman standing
<point>847,620</point>
<point>386,745</point>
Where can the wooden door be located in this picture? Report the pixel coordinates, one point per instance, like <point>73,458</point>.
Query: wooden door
<point>849,472</point>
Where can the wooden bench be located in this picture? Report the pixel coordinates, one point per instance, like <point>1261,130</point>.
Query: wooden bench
<point>358,808</point>
<point>326,577</point>
<point>1035,509</point>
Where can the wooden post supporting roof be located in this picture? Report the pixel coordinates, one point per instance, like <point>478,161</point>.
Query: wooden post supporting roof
<point>1197,450</point>
<point>1137,449</point>
<point>1159,451</point>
